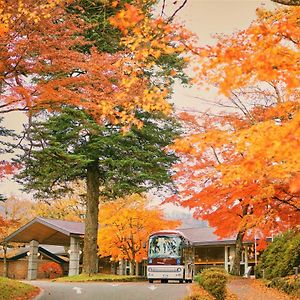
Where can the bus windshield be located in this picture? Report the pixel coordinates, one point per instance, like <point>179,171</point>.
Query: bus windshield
<point>165,246</point>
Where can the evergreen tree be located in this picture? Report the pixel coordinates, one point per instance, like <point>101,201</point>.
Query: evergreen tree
<point>5,146</point>
<point>71,146</point>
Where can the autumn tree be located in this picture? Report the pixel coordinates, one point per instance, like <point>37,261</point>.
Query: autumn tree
<point>72,146</point>
<point>21,210</point>
<point>56,61</point>
<point>6,167</point>
<point>125,226</point>
<point>60,56</point>
<point>240,171</point>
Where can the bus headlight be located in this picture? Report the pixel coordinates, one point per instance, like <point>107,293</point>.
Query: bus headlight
<point>178,269</point>
<point>149,269</point>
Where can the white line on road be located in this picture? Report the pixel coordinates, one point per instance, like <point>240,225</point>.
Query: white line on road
<point>152,287</point>
<point>115,284</point>
<point>77,289</point>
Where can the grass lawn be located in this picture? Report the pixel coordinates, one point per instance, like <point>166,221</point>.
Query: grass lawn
<point>15,290</point>
<point>99,277</point>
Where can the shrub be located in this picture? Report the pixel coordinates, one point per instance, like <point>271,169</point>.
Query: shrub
<point>289,285</point>
<point>51,269</point>
<point>198,293</point>
<point>214,281</point>
<point>281,256</point>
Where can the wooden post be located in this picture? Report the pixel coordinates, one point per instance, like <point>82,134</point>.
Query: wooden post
<point>5,266</point>
<point>226,259</point>
<point>246,259</point>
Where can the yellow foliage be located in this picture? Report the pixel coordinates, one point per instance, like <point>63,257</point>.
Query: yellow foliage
<point>125,226</point>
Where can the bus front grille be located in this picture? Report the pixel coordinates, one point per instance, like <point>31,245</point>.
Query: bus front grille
<point>163,269</point>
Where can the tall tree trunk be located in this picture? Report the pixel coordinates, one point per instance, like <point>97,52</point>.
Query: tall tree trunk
<point>90,255</point>
<point>239,241</point>
<point>131,267</point>
<point>238,253</point>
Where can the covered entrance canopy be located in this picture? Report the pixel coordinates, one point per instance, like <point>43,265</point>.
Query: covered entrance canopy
<point>47,231</point>
<point>50,232</point>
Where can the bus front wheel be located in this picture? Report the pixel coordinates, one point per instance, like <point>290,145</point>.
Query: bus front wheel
<point>150,280</point>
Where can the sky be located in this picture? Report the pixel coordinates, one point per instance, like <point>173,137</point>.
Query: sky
<point>205,18</point>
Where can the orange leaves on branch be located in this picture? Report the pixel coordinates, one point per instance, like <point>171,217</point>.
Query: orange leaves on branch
<point>149,40</point>
<point>267,51</point>
<point>127,18</point>
<point>225,172</point>
<point>7,168</point>
<point>41,68</point>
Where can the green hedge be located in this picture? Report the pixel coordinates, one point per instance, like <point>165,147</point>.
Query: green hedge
<point>289,285</point>
<point>280,257</point>
<point>214,281</point>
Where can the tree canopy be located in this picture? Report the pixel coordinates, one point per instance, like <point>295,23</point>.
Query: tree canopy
<point>242,168</point>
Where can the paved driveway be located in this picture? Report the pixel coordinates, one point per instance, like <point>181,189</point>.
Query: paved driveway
<point>111,291</point>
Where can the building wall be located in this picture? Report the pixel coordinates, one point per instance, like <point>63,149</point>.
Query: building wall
<point>18,269</point>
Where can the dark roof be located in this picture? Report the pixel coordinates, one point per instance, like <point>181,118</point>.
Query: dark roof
<point>205,236</point>
<point>47,231</point>
<point>70,227</point>
<point>23,253</point>
<point>58,232</point>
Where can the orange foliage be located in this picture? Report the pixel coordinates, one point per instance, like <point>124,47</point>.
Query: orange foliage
<point>41,69</point>
<point>267,51</point>
<point>241,171</point>
<point>51,269</point>
<point>7,168</point>
<point>7,226</point>
<point>125,226</point>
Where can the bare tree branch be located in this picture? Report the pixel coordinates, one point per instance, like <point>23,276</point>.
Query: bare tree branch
<point>288,2</point>
<point>176,11</point>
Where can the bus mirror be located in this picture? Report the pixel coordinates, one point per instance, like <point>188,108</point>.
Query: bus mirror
<point>144,245</point>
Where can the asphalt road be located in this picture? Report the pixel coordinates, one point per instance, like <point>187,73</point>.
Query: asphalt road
<point>111,291</point>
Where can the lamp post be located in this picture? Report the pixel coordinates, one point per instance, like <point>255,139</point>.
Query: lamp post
<point>255,250</point>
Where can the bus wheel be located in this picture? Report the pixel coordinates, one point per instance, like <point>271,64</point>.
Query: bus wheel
<point>150,280</point>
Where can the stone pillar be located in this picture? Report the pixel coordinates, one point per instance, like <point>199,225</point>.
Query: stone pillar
<point>246,259</point>
<point>226,259</point>
<point>33,260</point>
<point>74,256</point>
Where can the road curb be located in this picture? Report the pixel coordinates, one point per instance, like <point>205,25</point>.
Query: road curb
<point>39,296</point>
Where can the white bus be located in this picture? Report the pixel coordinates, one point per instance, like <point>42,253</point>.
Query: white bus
<point>170,257</point>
